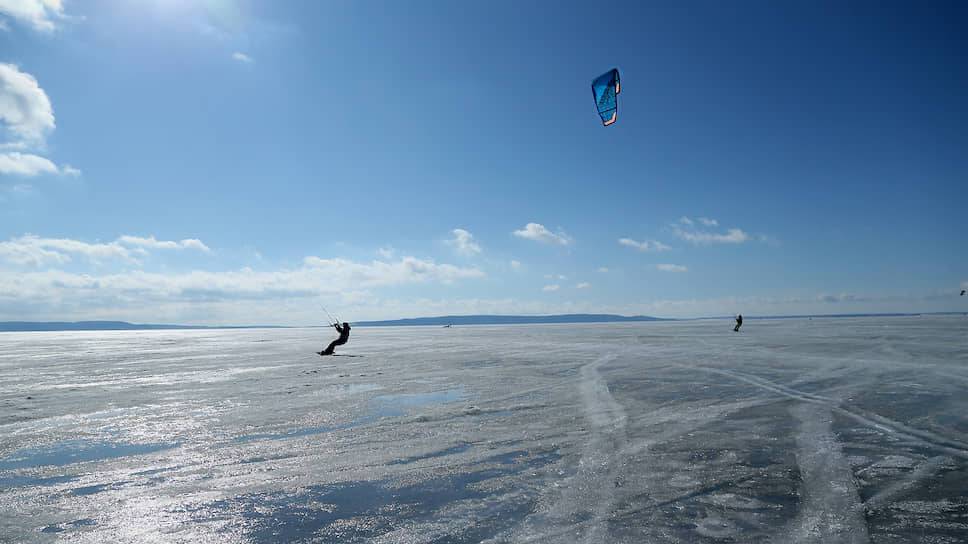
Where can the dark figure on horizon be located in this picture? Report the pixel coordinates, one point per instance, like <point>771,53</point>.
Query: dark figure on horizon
<point>962,292</point>
<point>344,335</point>
<point>739,323</point>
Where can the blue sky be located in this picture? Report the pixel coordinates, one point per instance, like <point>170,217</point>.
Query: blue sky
<point>241,162</point>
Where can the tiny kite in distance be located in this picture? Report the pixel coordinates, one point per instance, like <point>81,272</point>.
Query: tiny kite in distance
<point>605,89</point>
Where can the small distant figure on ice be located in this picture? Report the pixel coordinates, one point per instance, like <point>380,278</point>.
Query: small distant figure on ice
<point>739,323</point>
<point>344,336</point>
<point>962,293</point>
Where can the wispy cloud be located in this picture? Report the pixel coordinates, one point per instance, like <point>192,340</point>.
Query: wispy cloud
<point>671,268</point>
<point>538,233</point>
<point>603,269</point>
<point>53,290</point>
<point>386,252</point>
<point>152,243</point>
<point>700,237</point>
<point>516,265</point>
<point>463,242</point>
<point>550,288</point>
<point>32,250</point>
<point>583,285</point>
<point>645,245</point>
<point>242,57</point>
<point>376,273</point>
<point>41,15</point>
<point>555,277</point>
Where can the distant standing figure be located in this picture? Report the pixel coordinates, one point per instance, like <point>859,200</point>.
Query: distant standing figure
<point>344,336</point>
<point>739,323</point>
<point>962,293</point>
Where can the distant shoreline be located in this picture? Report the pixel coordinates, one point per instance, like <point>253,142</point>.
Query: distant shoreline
<point>441,321</point>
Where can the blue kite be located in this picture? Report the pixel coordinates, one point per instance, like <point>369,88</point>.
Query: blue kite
<point>605,88</point>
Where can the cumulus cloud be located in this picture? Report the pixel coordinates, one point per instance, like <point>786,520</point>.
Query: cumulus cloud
<point>671,268</point>
<point>583,285</point>
<point>538,233</point>
<point>645,245</point>
<point>463,242</point>
<point>26,118</point>
<point>16,163</point>
<point>550,288</point>
<point>39,14</point>
<point>241,57</point>
<point>708,222</point>
<point>685,221</point>
<point>515,264</point>
<point>25,109</point>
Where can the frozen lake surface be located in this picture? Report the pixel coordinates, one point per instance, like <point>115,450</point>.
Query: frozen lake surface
<point>820,431</point>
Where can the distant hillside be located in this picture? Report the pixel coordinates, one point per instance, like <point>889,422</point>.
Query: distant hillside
<point>507,320</point>
<point>24,326</point>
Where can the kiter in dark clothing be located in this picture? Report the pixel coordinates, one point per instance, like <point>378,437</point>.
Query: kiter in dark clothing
<point>739,323</point>
<point>344,335</point>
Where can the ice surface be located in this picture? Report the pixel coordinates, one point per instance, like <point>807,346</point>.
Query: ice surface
<point>823,430</point>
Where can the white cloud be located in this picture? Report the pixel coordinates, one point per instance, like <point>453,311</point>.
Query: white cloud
<point>151,243</point>
<point>25,109</point>
<point>549,288</point>
<point>646,245</point>
<point>379,273</point>
<point>685,221</point>
<point>40,14</point>
<point>603,269</point>
<point>464,243</point>
<point>26,118</point>
<point>731,236</point>
<point>583,285</point>
<point>386,252</point>
<point>54,294</point>
<point>32,250</point>
<point>538,233</point>
<point>555,277</point>
<point>25,164</point>
<point>36,251</point>
<point>671,268</point>
<point>241,57</point>
<point>515,264</point>
<point>16,163</point>
<point>708,222</point>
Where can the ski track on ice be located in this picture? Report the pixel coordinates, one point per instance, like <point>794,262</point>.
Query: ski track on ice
<point>948,445</point>
<point>830,508</point>
<point>923,472</point>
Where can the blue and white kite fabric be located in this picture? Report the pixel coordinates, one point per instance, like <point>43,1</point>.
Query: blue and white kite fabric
<point>605,88</point>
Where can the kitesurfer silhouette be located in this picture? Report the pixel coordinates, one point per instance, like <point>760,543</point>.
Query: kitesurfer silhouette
<point>344,336</point>
<point>739,323</point>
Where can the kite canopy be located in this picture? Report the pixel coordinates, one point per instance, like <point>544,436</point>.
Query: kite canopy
<point>605,88</point>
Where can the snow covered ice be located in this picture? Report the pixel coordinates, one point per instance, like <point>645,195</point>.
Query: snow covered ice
<point>794,430</point>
